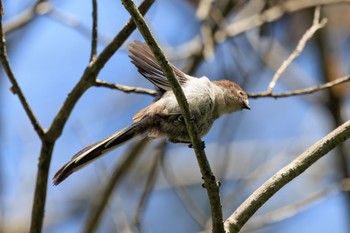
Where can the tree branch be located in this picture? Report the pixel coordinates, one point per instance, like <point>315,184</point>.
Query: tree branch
<point>288,211</point>
<point>304,91</point>
<point>39,199</point>
<point>209,179</point>
<point>244,212</point>
<point>15,86</point>
<point>316,25</point>
<point>94,36</point>
<point>126,89</point>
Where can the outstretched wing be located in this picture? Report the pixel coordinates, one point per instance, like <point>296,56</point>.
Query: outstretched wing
<point>143,58</point>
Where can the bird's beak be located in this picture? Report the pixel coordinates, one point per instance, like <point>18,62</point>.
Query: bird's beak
<point>246,105</point>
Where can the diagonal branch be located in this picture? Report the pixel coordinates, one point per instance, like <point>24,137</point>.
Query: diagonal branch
<point>244,212</point>
<point>15,87</point>
<point>209,178</point>
<point>316,25</point>
<point>295,208</point>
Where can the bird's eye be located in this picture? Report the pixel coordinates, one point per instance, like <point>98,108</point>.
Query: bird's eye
<point>241,93</point>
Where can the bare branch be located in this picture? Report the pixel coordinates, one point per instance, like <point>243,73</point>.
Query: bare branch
<point>126,89</point>
<point>304,91</point>
<point>317,24</point>
<point>261,195</point>
<point>209,179</point>
<point>290,210</point>
<point>94,36</point>
<point>15,86</point>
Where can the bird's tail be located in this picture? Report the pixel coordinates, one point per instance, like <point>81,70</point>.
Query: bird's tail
<point>96,150</point>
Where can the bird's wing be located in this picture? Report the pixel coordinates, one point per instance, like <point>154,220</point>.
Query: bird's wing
<point>140,114</point>
<point>143,58</point>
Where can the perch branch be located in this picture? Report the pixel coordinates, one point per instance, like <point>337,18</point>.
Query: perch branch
<point>209,178</point>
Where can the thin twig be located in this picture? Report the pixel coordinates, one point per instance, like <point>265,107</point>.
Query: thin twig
<point>304,91</point>
<point>126,89</point>
<point>149,185</point>
<point>316,25</point>
<point>15,86</point>
<point>94,36</point>
<point>261,195</point>
<point>209,179</point>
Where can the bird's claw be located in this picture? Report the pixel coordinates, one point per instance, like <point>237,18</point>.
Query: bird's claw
<point>181,119</point>
<point>203,145</point>
<point>192,118</point>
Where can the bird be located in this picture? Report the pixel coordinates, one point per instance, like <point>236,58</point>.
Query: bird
<point>207,101</point>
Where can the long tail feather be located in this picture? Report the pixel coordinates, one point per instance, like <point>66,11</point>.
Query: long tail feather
<point>96,150</point>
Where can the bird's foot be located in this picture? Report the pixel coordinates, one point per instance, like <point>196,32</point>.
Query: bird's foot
<point>203,145</point>
<point>181,119</point>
